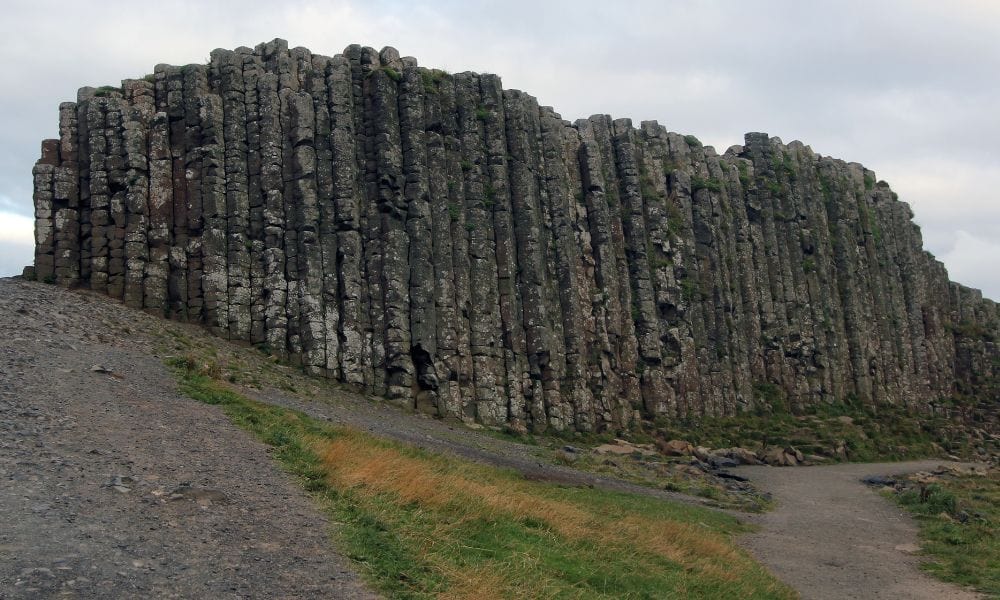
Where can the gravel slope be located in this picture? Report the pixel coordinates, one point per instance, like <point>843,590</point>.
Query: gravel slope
<point>67,433</point>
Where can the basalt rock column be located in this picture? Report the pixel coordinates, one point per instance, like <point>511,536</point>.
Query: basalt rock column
<point>466,252</point>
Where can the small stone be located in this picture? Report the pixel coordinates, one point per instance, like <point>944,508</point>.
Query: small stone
<point>25,573</point>
<point>744,456</point>
<point>121,480</point>
<point>728,475</point>
<point>878,480</point>
<point>203,496</point>
<point>614,449</point>
<point>567,457</point>
<point>722,462</point>
<point>100,369</point>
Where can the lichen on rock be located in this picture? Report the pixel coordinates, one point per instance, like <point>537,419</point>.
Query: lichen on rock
<point>462,250</point>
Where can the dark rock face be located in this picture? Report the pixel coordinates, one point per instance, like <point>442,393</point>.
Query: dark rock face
<point>457,247</point>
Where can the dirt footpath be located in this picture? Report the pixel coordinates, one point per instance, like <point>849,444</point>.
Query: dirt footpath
<point>833,538</point>
<point>113,485</point>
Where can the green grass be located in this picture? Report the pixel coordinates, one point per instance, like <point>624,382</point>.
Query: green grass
<point>712,185</point>
<point>885,433</point>
<point>393,74</point>
<point>420,525</point>
<point>964,553</point>
<point>105,90</point>
<point>661,474</point>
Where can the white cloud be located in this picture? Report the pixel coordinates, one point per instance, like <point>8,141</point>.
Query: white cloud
<point>17,243</point>
<point>16,228</point>
<point>974,258</point>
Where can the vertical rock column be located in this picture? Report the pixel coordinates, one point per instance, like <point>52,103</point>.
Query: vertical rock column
<point>419,230</point>
<point>665,225</point>
<point>45,211</point>
<point>346,207</point>
<point>496,202</point>
<point>273,190</point>
<point>99,192</point>
<point>561,191</point>
<point>227,73</point>
<point>484,304</point>
<point>452,259</point>
<point>215,274</point>
<point>365,65</point>
<point>253,70</point>
<point>117,185</point>
<point>393,208</point>
<point>305,219</point>
<point>173,225</point>
<point>606,298</point>
<point>318,83</point>
<point>139,112</point>
<point>442,189</point>
<point>66,199</point>
<point>541,346</point>
<point>189,164</point>
<point>657,395</point>
<point>305,216</point>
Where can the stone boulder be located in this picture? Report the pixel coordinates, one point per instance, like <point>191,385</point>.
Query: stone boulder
<point>782,456</point>
<point>675,447</point>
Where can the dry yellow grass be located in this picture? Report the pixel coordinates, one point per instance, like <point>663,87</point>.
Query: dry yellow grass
<point>356,461</point>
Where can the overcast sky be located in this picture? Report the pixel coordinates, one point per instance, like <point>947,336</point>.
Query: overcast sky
<point>909,88</point>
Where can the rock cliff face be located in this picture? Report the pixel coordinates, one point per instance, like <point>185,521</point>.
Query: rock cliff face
<point>457,247</point>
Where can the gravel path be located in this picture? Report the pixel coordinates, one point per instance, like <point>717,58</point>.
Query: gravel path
<point>833,538</point>
<point>240,529</point>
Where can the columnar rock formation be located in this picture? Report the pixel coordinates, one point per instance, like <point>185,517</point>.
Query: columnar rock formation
<point>455,246</point>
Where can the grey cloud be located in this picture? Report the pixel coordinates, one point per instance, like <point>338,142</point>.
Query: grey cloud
<point>907,87</point>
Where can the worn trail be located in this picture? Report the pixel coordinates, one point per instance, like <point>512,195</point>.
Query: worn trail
<point>832,537</point>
